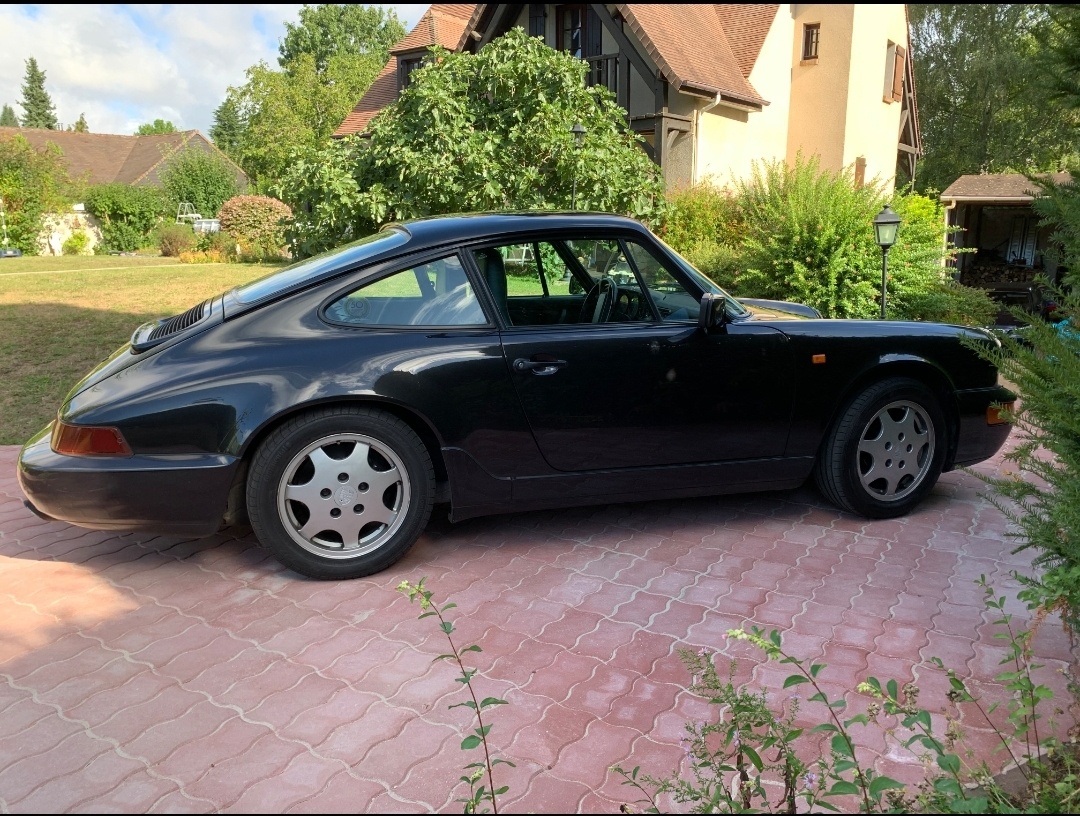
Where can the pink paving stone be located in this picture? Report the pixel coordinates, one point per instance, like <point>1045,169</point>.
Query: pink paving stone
<point>249,692</point>
<point>678,619</point>
<point>21,714</point>
<point>304,777</point>
<point>344,793</point>
<point>543,741</point>
<point>38,738</point>
<point>436,780</point>
<point>353,740</point>
<point>35,769</point>
<point>644,651</point>
<point>347,705</point>
<point>390,760</point>
<point>555,682</point>
<point>597,694</point>
<point>610,598</point>
<point>141,793</point>
<point>74,691</point>
<point>190,664</point>
<point>162,737</point>
<point>530,658</point>
<point>603,742</point>
<point>194,758</point>
<point>132,696</point>
<point>602,642</point>
<point>226,781</point>
<point>64,793</point>
<point>281,708</point>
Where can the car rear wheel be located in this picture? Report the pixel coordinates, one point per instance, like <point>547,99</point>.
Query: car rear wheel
<point>885,452</point>
<point>341,492</point>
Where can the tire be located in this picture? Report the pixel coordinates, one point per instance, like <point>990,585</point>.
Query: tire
<point>885,452</point>
<point>341,492</point>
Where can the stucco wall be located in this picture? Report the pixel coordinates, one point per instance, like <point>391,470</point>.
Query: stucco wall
<point>873,125</point>
<point>730,140</point>
<point>819,89</point>
<point>58,228</point>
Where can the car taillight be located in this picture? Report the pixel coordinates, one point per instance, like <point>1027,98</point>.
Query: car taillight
<point>999,414</point>
<point>88,440</point>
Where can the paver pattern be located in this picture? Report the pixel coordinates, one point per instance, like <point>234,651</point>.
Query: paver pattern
<point>142,673</point>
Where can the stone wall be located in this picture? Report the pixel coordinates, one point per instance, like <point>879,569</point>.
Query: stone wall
<point>58,227</point>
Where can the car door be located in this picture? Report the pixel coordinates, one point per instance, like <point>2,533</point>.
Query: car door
<point>644,387</point>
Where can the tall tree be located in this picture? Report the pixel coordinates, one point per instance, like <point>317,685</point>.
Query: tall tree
<point>156,127</point>
<point>283,111</point>
<point>331,29</point>
<point>227,128</point>
<point>80,125</point>
<point>8,117</point>
<point>982,104</point>
<point>37,105</point>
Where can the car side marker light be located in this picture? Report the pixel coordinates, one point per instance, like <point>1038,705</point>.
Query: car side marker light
<point>88,440</point>
<point>817,359</point>
<point>995,414</point>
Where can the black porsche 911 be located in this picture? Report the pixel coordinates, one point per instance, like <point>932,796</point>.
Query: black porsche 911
<point>495,363</point>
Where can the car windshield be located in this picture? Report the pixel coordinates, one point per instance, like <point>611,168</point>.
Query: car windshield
<point>704,282</point>
<point>310,268</point>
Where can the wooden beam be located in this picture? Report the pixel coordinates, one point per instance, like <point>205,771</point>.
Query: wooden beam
<point>625,47</point>
<point>505,14</point>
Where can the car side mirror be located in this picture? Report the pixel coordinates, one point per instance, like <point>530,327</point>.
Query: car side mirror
<point>713,312</point>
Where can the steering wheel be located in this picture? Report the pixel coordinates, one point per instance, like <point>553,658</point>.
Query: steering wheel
<point>596,308</point>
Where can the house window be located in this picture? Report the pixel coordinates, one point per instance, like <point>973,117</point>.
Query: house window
<point>811,34</point>
<point>405,69</point>
<point>895,64</point>
<point>537,20</point>
<point>571,30</point>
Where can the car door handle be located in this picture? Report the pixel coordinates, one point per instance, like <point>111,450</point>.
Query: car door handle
<point>538,367</point>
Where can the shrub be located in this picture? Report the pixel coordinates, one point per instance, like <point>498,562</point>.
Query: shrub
<point>32,183</point>
<point>206,180</point>
<point>947,302</point>
<point>701,215</point>
<point>206,256</point>
<point>220,242</point>
<point>257,225</point>
<point>721,263</point>
<point>172,239</point>
<point>127,214</point>
<point>77,243</point>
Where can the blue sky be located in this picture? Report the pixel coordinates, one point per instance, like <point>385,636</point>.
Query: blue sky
<point>124,64</point>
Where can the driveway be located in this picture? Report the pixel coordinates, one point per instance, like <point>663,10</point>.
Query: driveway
<point>142,673</point>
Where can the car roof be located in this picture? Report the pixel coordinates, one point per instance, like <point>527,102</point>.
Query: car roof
<point>441,229</point>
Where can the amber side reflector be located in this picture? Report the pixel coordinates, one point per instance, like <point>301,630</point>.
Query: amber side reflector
<point>817,359</point>
<point>995,413</point>
<point>88,440</point>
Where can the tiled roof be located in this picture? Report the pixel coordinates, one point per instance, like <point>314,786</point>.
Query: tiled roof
<point>108,157</point>
<point>443,24</point>
<point>746,25</point>
<point>990,186</point>
<point>688,43</point>
<point>707,48</point>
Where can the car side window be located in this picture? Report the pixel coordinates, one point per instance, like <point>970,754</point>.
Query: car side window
<point>435,293</point>
<point>671,298</point>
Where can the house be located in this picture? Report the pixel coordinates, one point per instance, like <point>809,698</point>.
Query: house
<point>712,88</point>
<point>994,216</point>
<point>102,158</point>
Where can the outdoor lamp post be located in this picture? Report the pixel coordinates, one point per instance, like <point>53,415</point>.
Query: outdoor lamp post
<point>886,223</point>
<point>579,139</point>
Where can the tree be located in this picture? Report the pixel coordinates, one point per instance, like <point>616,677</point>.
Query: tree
<point>328,30</point>
<point>32,182</point>
<point>204,179</point>
<point>982,104</point>
<point>285,111</point>
<point>486,131</point>
<point>80,125</point>
<point>8,117</point>
<point>37,105</point>
<point>227,129</point>
<point>156,127</point>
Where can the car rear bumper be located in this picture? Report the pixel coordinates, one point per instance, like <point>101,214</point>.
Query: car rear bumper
<point>177,494</point>
<point>977,439</point>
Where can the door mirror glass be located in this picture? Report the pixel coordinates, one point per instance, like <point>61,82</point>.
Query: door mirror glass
<point>713,311</point>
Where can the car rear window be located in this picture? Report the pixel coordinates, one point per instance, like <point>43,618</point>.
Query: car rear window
<point>317,266</point>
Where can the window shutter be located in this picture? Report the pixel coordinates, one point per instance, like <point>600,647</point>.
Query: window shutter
<point>899,64</point>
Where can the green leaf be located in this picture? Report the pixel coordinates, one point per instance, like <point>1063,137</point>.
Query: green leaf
<point>503,762</point>
<point>447,627</point>
<point>470,742</point>
<point>880,784</point>
<point>795,680</point>
<point>815,668</point>
<point>466,704</point>
<point>492,701</point>
<point>752,755</point>
<point>949,762</point>
<point>449,606</point>
<point>840,744</point>
<point>473,648</point>
<point>892,689</point>
<point>842,788</point>
<point>824,727</point>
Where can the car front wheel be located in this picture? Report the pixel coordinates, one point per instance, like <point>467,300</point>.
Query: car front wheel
<point>341,492</point>
<point>885,452</point>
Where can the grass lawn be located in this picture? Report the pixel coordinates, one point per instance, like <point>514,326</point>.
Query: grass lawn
<point>60,317</point>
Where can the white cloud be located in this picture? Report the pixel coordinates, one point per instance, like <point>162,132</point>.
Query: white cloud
<point>123,65</point>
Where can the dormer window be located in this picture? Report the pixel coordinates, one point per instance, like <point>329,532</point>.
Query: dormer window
<point>406,65</point>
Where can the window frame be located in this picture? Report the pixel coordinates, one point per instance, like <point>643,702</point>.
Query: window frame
<point>811,42</point>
